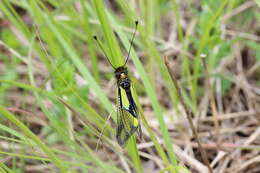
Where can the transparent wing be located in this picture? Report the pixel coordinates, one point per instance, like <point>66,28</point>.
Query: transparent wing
<point>127,123</point>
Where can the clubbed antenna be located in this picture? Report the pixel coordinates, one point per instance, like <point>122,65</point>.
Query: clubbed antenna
<point>131,43</point>
<point>101,47</point>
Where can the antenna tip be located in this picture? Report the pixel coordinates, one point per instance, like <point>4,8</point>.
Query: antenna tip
<point>95,37</point>
<point>136,22</point>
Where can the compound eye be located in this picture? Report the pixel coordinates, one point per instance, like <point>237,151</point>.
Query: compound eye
<point>117,75</point>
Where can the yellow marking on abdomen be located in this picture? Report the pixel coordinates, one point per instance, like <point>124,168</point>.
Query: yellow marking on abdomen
<point>135,122</point>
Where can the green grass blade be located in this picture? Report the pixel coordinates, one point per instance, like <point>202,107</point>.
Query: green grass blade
<point>258,3</point>
<point>177,18</point>
<point>114,50</point>
<point>150,92</point>
<point>133,153</point>
<point>34,138</point>
<point>80,66</point>
<point>203,42</point>
<point>90,41</point>
<point>5,169</point>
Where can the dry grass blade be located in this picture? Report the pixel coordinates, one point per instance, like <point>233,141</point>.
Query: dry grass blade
<point>189,116</point>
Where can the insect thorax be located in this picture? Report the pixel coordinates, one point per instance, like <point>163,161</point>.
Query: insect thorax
<point>121,75</point>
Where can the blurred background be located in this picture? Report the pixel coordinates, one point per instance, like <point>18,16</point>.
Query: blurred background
<point>58,93</point>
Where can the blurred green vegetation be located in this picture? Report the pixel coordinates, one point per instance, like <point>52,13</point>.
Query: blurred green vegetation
<point>56,77</point>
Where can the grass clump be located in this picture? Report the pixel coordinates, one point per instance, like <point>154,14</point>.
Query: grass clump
<point>57,91</point>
